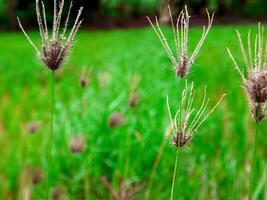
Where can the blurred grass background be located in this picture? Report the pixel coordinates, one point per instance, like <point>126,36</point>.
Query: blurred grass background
<point>110,13</point>
<point>214,166</point>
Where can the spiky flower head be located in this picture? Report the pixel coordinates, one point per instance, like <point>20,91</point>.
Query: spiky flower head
<point>187,119</point>
<point>181,60</point>
<point>254,75</point>
<point>54,47</point>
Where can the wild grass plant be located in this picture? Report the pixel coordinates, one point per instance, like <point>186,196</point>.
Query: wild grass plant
<point>55,47</point>
<point>181,60</point>
<point>210,168</point>
<point>184,126</point>
<point>254,78</point>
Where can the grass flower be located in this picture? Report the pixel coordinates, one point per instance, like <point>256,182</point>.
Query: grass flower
<point>83,78</point>
<point>37,176</point>
<point>55,46</point>
<point>77,144</point>
<point>181,60</point>
<point>185,125</point>
<point>33,127</point>
<point>116,119</point>
<point>53,51</point>
<point>254,77</point>
<point>57,193</point>
<point>133,101</point>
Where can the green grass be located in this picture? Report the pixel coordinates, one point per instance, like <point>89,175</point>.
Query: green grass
<point>214,165</point>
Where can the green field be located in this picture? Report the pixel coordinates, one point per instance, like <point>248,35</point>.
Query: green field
<point>215,165</point>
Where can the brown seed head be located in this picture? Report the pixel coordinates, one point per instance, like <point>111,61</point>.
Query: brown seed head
<point>57,193</point>
<point>32,127</point>
<point>116,119</point>
<point>182,68</point>
<point>54,54</point>
<point>37,176</point>
<point>181,60</point>
<point>184,139</point>
<point>256,89</point>
<point>133,101</point>
<point>83,77</point>
<point>83,81</point>
<point>55,46</point>
<point>255,78</point>
<point>182,72</point>
<point>184,125</point>
<point>257,111</point>
<point>77,144</point>
<point>256,86</point>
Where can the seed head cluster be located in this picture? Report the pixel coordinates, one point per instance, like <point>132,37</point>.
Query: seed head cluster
<point>55,47</point>
<point>77,144</point>
<point>116,119</point>
<point>37,176</point>
<point>254,76</point>
<point>181,60</point>
<point>187,120</point>
<point>33,127</point>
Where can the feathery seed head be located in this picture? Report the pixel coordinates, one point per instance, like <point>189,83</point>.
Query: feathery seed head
<point>37,176</point>
<point>77,144</point>
<point>181,60</point>
<point>33,127</point>
<point>183,140</point>
<point>133,100</point>
<point>57,193</point>
<point>254,76</point>
<point>116,119</point>
<point>256,86</point>
<point>184,125</point>
<point>83,81</point>
<point>182,70</point>
<point>55,47</point>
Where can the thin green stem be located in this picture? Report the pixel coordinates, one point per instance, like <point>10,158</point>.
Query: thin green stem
<point>253,177</point>
<point>174,174</point>
<point>50,139</point>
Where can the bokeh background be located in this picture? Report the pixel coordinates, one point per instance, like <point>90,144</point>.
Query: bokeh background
<point>111,123</point>
<point>113,13</point>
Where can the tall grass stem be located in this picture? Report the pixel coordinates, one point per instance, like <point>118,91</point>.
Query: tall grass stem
<point>253,176</point>
<point>174,173</point>
<point>50,139</point>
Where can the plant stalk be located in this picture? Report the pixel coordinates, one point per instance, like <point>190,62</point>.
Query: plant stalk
<point>174,173</point>
<point>253,176</point>
<point>50,139</point>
